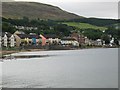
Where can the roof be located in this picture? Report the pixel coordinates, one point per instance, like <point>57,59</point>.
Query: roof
<point>19,32</point>
<point>68,38</point>
<point>22,36</point>
<point>34,36</point>
<point>7,33</point>
<point>50,36</point>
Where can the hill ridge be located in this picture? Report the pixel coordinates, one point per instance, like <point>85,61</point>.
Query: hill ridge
<point>34,10</point>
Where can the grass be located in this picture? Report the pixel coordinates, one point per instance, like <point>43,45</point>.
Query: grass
<point>84,25</point>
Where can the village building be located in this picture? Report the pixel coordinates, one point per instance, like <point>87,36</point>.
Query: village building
<point>8,40</point>
<point>21,39</point>
<point>25,28</point>
<point>30,39</point>
<point>34,39</point>
<point>0,41</point>
<point>5,40</point>
<point>69,41</point>
<point>119,42</point>
<point>12,41</point>
<point>111,42</point>
<point>98,42</point>
<point>87,41</point>
<point>52,39</point>
<point>78,37</point>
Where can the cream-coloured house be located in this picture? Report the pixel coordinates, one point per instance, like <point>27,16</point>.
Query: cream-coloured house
<point>0,41</point>
<point>18,40</point>
<point>69,41</point>
<point>52,39</point>
<point>12,41</point>
<point>5,40</point>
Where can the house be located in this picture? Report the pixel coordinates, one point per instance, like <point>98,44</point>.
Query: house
<point>0,41</point>
<point>90,42</point>
<point>25,28</point>
<point>87,41</point>
<point>8,39</point>
<point>18,40</point>
<point>12,41</point>
<point>78,37</point>
<point>43,40</point>
<point>34,39</point>
<point>30,39</point>
<point>111,42</point>
<point>21,39</point>
<point>69,41</point>
<point>52,39</point>
<point>5,40</point>
<point>119,42</point>
<point>98,42</point>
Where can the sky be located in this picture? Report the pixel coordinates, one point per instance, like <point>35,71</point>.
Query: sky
<point>93,8</point>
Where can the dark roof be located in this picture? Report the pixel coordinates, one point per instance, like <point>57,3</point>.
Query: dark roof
<point>22,36</point>
<point>34,36</point>
<point>68,38</point>
<point>50,36</point>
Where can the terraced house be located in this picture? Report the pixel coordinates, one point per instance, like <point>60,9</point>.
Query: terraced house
<point>7,40</point>
<point>20,39</point>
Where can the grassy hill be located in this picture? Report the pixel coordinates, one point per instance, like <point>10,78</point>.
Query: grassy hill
<point>35,10</point>
<point>84,25</point>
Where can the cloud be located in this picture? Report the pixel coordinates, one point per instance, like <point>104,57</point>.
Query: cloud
<point>71,0</point>
<point>92,9</point>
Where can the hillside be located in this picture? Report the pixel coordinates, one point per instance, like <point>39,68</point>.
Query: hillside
<point>35,10</point>
<point>84,25</point>
<point>96,21</point>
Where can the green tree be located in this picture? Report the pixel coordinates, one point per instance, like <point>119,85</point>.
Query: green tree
<point>105,38</point>
<point>6,27</point>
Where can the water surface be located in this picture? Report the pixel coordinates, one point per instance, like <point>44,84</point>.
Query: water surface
<point>88,68</point>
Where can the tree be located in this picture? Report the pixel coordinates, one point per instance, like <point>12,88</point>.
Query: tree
<point>92,34</point>
<point>62,30</point>
<point>105,38</point>
<point>6,27</point>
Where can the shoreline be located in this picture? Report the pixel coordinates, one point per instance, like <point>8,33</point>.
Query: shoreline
<point>6,55</point>
<point>7,52</point>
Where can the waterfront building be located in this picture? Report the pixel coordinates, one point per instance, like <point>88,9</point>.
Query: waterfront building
<point>5,40</point>
<point>21,39</point>
<point>12,41</point>
<point>0,41</point>
<point>34,39</point>
<point>78,37</point>
<point>69,41</point>
<point>43,40</point>
<point>52,39</point>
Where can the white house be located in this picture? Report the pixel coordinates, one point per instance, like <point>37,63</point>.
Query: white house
<point>12,41</point>
<point>99,42</point>
<point>111,42</point>
<point>119,42</point>
<point>69,41</point>
<point>0,41</point>
<point>5,40</point>
<point>52,40</point>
